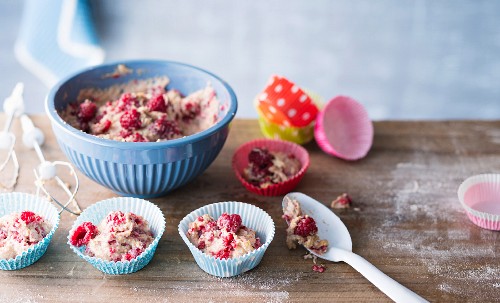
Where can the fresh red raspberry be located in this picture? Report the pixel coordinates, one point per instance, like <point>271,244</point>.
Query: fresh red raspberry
<point>87,110</point>
<point>201,245</point>
<point>28,217</point>
<point>318,268</point>
<point>261,158</point>
<point>157,103</point>
<point>83,234</point>
<point>131,119</point>
<point>306,227</point>
<point>230,222</point>
<point>125,102</point>
<point>165,129</point>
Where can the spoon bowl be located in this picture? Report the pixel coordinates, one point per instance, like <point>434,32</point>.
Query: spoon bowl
<point>331,228</point>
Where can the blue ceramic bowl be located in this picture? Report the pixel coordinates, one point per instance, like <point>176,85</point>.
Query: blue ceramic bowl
<point>141,169</point>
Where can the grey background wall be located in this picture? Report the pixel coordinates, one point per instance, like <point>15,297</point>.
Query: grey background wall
<point>421,59</point>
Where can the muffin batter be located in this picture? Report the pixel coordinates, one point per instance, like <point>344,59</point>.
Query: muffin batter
<point>266,168</point>
<point>142,111</point>
<point>19,231</point>
<point>119,237</point>
<point>225,238</point>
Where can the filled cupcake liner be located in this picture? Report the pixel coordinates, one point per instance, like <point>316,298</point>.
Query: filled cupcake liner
<point>18,202</point>
<point>480,197</point>
<point>98,211</point>
<point>240,162</point>
<point>284,103</point>
<point>344,129</point>
<point>252,217</point>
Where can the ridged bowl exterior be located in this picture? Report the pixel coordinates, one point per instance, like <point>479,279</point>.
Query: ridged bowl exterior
<point>137,169</point>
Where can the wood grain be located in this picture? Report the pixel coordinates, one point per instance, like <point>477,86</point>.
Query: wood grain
<point>407,222</point>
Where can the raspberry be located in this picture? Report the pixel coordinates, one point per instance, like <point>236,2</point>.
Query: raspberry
<point>87,111</point>
<point>116,217</point>
<point>83,234</point>
<point>157,103</point>
<point>125,102</point>
<point>342,201</point>
<point>261,158</point>
<point>257,243</point>
<point>191,110</point>
<point>230,222</point>
<point>201,245</point>
<point>28,217</point>
<point>306,227</point>
<point>136,137</point>
<point>318,268</point>
<point>165,129</point>
<point>101,127</point>
<point>223,254</point>
<point>131,119</point>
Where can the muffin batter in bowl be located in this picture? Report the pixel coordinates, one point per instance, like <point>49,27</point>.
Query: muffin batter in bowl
<point>142,111</point>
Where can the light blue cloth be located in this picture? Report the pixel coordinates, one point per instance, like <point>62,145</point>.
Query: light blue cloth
<point>56,38</point>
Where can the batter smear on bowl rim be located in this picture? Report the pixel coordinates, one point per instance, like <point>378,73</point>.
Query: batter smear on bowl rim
<point>142,111</point>
<point>223,238</point>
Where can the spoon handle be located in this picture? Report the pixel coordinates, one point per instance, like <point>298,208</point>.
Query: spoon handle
<point>394,290</point>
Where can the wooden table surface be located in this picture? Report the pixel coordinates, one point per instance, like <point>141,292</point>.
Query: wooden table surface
<point>407,222</point>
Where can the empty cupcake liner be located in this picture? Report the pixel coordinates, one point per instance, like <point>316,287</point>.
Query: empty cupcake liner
<point>18,202</point>
<point>343,129</point>
<point>252,217</point>
<point>98,211</point>
<point>284,103</point>
<point>480,197</point>
<point>240,162</point>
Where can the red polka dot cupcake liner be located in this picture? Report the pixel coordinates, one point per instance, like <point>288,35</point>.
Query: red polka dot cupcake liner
<point>240,162</point>
<point>284,103</point>
<point>480,197</point>
<point>344,129</point>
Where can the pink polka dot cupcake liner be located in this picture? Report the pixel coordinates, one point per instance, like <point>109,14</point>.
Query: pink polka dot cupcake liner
<point>480,197</point>
<point>252,217</point>
<point>240,162</point>
<point>98,211</point>
<point>344,129</point>
<point>18,202</point>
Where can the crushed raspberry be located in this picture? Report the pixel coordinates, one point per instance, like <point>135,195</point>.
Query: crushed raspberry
<point>257,243</point>
<point>101,127</point>
<point>125,102</point>
<point>342,201</point>
<point>306,227</point>
<point>223,254</point>
<point>131,119</point>
<point>164,128</point>
<point>28,217</point>
<point>116,218</point>
<point>230,222</point>
<point>228,240</point>
<point>83,234</point>
<point>157,103</point>
<point>136,137</point>
<point>87,110</point>
<point>191,110</point>
<point>318,268</point>
<point>201,245</point>
<point>261,158</point>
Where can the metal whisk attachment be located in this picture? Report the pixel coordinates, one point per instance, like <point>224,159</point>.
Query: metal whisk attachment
<point>13,107</point>
<point>34,138</point>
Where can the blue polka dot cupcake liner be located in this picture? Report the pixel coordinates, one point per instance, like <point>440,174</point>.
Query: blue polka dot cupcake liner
<point>252,217</point>
<point>98,211</point>
<point>18,202</point>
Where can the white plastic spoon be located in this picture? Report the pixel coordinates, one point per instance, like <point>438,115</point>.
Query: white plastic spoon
<point>331,228</point>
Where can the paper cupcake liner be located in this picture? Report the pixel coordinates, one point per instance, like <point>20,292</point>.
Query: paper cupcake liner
<point>299,135</point>
<point>284,103</point>
<point>252,217</point>
<point>480,197</point>
<point>98,211</point>
<point>240,162</point>
<point>343,129</point>
<point>18,202</point>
